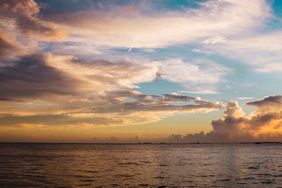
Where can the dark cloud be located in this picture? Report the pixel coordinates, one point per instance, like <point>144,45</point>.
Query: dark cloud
<point>135,101</point>
<point>53,120</point>
<point>271,100</point>
<point>173,97</point>
<point>9,100</point>
<point>30,76</point>
<point>268,104</point>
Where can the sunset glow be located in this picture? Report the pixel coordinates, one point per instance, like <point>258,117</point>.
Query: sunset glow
<point>140,71</point>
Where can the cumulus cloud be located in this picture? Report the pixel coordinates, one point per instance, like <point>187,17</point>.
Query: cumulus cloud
<point>265,124</point>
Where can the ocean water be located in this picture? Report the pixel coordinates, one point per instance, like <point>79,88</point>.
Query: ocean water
<point>92,165</point>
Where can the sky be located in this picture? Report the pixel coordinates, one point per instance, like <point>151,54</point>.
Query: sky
<point>132,71</point>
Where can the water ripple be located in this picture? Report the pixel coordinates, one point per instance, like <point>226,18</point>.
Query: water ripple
<point>86,165</point>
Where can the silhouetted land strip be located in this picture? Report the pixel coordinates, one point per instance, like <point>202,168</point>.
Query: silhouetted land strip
<point>260,142</point>
<point>139,143</point>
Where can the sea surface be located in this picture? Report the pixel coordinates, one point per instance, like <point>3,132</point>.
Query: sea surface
<point>140,165</point>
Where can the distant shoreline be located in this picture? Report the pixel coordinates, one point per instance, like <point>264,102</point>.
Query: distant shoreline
<point>139,143</point>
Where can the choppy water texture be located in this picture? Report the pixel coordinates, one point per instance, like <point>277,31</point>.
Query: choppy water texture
<point>86,165</point>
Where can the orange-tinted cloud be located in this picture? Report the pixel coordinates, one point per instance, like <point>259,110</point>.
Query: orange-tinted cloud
<point>235,126</point>
<point>86,92</point>
<point>8,46</point>
<point>116,108</point>
<point>21,26</point>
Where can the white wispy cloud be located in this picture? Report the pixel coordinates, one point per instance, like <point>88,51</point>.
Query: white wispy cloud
<point>131,28</point>
<point>261,51</point>
<point>197,77</point>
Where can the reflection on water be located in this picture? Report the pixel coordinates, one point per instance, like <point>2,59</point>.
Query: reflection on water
<point>66,165</point>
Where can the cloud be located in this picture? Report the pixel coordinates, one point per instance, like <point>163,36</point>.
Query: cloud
<point>24,7</point>
<point>268,104</point>
<point>265,124</point>
<point>7,46</point>
<point>76,90</point>
<point>118,109</point>
<point>25,14</point>
<point>197,77</point>
<point>22,28</point>
<point>133,27</point>
<point>245,98</point>
<point>53,120</point>
<point>261,50</point>
<point>31,77</point>
<point>221,27</point>
<point>136,102</point>
<point>38,87</point>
